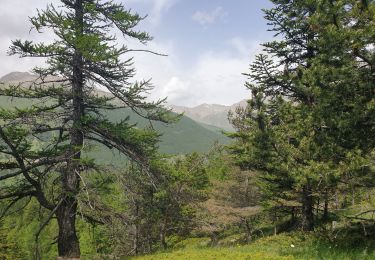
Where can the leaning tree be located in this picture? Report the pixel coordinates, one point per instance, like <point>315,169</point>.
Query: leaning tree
<point>44,144</point>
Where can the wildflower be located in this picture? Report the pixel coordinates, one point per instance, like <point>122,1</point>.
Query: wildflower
<point>292,246</point>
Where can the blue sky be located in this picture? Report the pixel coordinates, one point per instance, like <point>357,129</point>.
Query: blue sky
<point>197,26</point>
<point>209,44</point>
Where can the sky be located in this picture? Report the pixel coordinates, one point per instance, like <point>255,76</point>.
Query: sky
<point>209,44</point>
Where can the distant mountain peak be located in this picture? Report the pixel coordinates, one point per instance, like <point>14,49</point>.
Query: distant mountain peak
<point>17,76</point>
<point>210,114</point>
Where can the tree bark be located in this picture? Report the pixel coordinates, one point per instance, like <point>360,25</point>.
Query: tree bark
<point>68,243</point>
<point>307,208</point>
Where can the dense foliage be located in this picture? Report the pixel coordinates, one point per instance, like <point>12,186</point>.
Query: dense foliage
<point>300,165</point>
<point>44,146</point>
<point>308,129</point>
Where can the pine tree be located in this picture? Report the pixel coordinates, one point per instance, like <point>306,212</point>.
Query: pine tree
<point>66,114</point>
<point>309,122</point>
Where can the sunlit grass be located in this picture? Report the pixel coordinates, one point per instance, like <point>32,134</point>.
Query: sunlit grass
<point>295,246</point>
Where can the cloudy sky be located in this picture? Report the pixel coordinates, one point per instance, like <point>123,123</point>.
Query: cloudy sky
<point>209,44</point>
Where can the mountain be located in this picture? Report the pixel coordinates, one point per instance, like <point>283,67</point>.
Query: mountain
<point>15,77</point>
<point>210,114</point>
<point>185,136</point>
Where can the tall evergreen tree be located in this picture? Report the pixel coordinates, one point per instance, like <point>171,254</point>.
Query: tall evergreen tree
<point>44,145</point>
<point>309,122</point>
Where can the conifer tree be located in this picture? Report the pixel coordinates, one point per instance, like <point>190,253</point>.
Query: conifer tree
<point>309,122</point>
<point>66,115</point>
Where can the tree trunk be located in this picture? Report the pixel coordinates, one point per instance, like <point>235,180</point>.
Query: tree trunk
<point>214,238</point>
<point>162,235</point>
<point>149,242</point>
<point>248,231</point>
<point>353,195</point>
<point>293,218</point>
<point>136,231</point>
<point>275,219</point>
<point>307,208</point>
<point>68,243</point>
<point>325,212</point>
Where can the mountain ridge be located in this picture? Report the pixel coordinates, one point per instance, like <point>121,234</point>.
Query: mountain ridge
<point>215,115</point>
<point>210,114</point>
<point>185,136</point>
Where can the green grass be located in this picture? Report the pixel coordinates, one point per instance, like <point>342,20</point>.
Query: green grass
<point>285,246</point>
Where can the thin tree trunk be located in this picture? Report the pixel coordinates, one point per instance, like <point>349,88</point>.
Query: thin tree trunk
<point>325,212</point>
<point>293,215</point>
<point>149,242</point>
<point>275,219</point>
<point>68,243</point>
<point>307,208</point>
<point>275,229</point>
<point>162,235</point>
<point>353,196</point>
<point>214,238</point>
<point>248,231</point>
<point>136,226</point>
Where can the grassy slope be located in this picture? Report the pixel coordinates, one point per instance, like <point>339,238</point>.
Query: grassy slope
<point>186,136</point>
<point>292,246</point>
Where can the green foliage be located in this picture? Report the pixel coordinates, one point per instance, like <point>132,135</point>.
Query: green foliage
<point>311,107</point>
<point>66,113</point>
<point>164,205</point>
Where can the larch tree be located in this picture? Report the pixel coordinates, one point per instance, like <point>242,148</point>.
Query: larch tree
<point>44,145</point>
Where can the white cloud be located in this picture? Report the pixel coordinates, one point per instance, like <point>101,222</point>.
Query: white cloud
<point>14,20</point>
<point>159,7</point>
<point>246,48</point>
<point>209,17</point>
<point>215,77</point>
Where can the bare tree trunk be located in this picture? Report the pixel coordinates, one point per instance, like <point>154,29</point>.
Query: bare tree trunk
<point>275,219</point>
<point>325,212</point>
<point>68,243</point>
<point>136,226</point>
<point>307,208</point>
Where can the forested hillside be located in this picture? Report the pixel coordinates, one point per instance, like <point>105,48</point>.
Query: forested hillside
<point>87,175</point>
<point>186,136</point>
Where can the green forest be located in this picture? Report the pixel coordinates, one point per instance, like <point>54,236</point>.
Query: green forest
<point>90,168</point>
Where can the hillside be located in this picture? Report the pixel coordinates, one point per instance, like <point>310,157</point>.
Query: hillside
<point>210,114</point>
<point>185,136</point>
